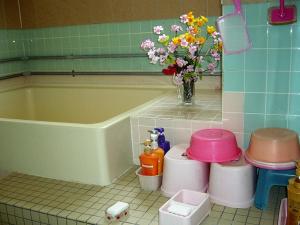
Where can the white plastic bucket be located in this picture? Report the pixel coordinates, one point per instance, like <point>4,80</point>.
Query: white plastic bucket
<point>232,184</point>
<point>149,183</point>
<point>199,202</point>
<point>183,173</point>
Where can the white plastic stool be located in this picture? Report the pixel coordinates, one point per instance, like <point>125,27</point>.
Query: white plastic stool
<point>181,173</point>
<point>232,184</point>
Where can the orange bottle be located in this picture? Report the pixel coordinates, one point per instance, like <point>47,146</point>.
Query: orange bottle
<point>157,150</point>
<point>148,160</point>
<point>160,153</point>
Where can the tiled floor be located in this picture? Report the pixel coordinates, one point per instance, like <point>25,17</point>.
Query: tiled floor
<point>35,201</point>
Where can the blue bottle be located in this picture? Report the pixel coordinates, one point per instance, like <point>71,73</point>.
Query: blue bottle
<point>161,140</point>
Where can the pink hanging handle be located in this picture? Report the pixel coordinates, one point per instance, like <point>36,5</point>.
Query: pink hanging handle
<point>237,6</point>
<point>282,9</point>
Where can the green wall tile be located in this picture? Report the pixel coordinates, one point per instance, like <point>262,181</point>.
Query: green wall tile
<point>295,82</point>
<point>295,60</point>
<point>253,122</point>
<point>255,81</point>
<point>296,36</point>
<point>279,59</point>
<point>279,36</point>
<point>233,81</point>
<point>278,82</point>
<point>294,123</point>
<point>234,62</point>
<point>277,103</point>
<point>256,15</point>
<point>276,121</point>
<point>295,104</point>
<point>258,36</point>
<point>256,60</point>
<point>255,103</point>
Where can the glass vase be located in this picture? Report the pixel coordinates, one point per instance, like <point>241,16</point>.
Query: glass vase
<point>188,92</point>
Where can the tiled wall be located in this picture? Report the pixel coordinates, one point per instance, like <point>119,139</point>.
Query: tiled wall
<point>85,40</point>
<point>94,39</point>
<point>11,45</point>
<point>266,78</point>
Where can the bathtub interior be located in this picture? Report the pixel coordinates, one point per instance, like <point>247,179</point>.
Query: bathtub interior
<point>85,105</point>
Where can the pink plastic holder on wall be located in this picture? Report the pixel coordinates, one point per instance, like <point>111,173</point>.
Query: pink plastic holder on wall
<point>233,30</point>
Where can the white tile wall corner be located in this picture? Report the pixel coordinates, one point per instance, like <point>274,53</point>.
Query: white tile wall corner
<point>233,102</point>
<point>177,131</point>
<point>240,139</point>
<point>233,121</point>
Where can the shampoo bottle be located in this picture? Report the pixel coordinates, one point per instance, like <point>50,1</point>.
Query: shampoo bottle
<point>157,150</point>
<point>148,160</point>
<point>293,214</point>
<point>161,140</point>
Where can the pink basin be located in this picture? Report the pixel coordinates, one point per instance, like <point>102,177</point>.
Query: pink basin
<point>213,145</point>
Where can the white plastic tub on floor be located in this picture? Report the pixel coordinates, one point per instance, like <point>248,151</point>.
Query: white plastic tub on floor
<point>199,202</point>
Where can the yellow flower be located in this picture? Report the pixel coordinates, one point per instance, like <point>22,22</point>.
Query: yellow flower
<point>190,38</point>
<point>210,29</point>
<point>204,19</point>
<point>190,13</point>
<point>199,22</point>
<point>176,40</point>
<point>220,45</point>
<point>201,40</point>
<point>191,18</point>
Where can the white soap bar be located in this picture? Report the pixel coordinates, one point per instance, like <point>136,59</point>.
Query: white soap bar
<point>180,209</point>
<point>117,208</point>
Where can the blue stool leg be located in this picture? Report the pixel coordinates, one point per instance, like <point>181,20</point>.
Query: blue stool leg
<point>267,179</point>
<point>262,189</point>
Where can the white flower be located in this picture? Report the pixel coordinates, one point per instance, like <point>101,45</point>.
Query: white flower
<point>176,28</point>
<point>158,29</point>
<point>147,44</point>
<point>181,62</point>
<point>184,43</point>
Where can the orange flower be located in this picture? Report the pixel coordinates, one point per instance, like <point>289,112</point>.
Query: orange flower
<point>201,40</point>
<point>200,22</point>
<point>194,30</point>
<point>190,38</point>
<point>220,45</point>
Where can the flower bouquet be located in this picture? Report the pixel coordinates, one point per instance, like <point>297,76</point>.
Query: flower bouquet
<point>193,49</point>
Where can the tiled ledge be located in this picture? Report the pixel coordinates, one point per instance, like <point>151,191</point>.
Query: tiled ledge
<point>179,121</point>
<point>207,107</point>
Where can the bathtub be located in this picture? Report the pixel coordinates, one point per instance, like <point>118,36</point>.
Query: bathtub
<point>68,128</point>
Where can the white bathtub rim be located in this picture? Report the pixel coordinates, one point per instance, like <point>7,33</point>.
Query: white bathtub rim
<point>103,124</point>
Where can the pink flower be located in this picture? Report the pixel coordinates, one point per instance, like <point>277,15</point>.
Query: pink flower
<point>172,47</point>
<point>163,38</point>
<point>192,50</point>
<point>184,18</point>
<point>190,68</point>
<point>215,34</point>
<point>147,44</point>
<point>158,29</point>
<point>184,43</point>
<point>216,55</point>
<point>211,67</point>
<point>176,28</point>
<point>181,62</point>
<point>178,79</point>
